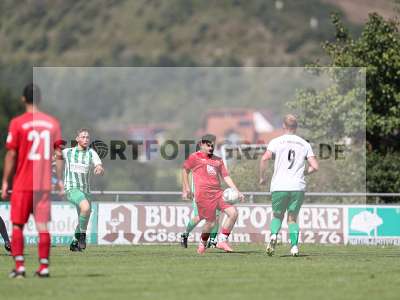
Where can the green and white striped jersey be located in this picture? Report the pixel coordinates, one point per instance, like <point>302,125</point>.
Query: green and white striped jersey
<point>77,168</point>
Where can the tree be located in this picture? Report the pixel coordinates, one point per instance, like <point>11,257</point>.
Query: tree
<point>9,108</point>
<point>377,50</point>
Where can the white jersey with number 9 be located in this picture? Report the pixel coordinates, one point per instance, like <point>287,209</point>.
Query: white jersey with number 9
<point>290,152</point>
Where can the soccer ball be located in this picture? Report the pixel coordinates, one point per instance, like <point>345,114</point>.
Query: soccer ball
<point>231,196</point>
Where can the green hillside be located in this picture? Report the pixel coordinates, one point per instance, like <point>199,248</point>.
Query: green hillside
<point>160,33</point>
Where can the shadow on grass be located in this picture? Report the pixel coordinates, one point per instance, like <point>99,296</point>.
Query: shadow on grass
<point>300,255</point>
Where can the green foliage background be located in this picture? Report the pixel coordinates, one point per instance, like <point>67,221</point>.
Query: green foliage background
<point>227,33</point>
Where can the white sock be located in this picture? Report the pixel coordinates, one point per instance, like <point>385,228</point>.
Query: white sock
<point>222,237</point>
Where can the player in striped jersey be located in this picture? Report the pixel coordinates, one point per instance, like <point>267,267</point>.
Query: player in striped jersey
<point>79,161</point>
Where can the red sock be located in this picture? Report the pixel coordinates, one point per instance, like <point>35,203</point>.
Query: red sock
<point>44,249</point>
<point>226,232</point>
<point>204,237</point>
<point>17,246</point>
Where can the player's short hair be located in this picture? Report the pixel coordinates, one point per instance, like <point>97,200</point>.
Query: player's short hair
<point>290,121</point>
<point>32,93</point>
<point>80,130</point>
<point>207,138</point>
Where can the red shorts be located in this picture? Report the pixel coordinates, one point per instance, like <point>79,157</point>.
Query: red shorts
<point>208,203</point>
<point>23,203</point>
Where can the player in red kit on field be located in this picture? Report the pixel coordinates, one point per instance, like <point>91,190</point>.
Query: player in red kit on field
<point>207,170</point>
<point>33,139</point>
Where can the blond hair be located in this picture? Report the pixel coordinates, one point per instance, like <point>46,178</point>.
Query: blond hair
<point>290,122</point>
<point>80,130</point>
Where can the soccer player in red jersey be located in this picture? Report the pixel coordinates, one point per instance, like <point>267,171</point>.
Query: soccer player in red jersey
<point>207,169</point>
<point>31,141</point>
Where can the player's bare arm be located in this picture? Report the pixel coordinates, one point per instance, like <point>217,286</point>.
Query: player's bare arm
<point>9,165</point>
<point>99,170</point>
<point>228,180</point>
<point>264,166</point>
<point>313,165</point>
<point>186,193</point>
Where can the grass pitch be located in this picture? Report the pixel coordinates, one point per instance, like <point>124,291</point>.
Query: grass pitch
<point>171,272</point>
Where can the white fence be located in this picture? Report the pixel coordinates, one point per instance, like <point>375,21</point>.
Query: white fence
<point>250,195</point>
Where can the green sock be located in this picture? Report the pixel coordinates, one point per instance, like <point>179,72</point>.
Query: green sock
<point>214,231</point>
<point>275,225</point>
<point>294,233</point>
<point>190,226</point>
<point>83,222</point>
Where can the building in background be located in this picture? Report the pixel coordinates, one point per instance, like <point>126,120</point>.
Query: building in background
<point>240,126</point>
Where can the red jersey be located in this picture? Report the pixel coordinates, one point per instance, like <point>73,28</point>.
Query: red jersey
<point>33,136</point>
<point>206,173</point>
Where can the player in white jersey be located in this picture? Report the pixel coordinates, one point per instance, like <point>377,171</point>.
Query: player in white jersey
<point>287,185</point>
<point>79,161</point>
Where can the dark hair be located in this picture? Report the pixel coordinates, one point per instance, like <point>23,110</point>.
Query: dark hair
<point>208,138</point>
<point>32,93</point>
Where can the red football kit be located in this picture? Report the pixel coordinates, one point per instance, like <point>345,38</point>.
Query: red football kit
<point>207,172</point>
<point>33,136</point>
